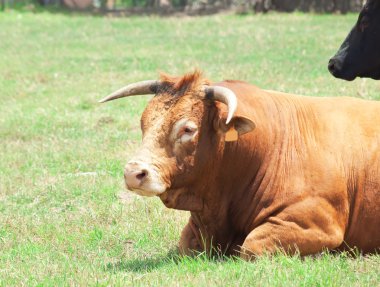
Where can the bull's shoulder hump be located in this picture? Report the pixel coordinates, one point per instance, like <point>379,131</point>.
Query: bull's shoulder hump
<point>235,83</point>
<point>239,87</point>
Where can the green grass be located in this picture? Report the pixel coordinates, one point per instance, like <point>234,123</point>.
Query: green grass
<point>64,216</point>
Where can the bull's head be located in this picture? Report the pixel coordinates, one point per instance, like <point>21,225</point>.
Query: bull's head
<point>359,55</point>
<point>184,126</point>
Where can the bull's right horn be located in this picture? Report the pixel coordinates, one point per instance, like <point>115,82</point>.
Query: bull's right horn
<point>139,88</point>
<point>223,95</point>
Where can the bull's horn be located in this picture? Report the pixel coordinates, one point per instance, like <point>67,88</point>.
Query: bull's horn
<point>225,96</point>
<point>139,88</point>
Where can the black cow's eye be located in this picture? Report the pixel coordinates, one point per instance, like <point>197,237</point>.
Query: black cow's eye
<point>364,23</point>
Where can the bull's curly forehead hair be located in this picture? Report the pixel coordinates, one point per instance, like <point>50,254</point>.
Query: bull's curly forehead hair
<point>184,84</point>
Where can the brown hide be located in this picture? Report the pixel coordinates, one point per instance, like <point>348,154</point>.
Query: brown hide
<point>304,180</point>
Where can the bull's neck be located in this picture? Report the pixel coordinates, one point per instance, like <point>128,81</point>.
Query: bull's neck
<point>247,167</point>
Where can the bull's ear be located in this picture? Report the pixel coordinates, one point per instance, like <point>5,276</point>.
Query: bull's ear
<point>238,126</point>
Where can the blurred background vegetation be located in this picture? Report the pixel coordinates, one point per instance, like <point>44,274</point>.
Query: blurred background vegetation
<point>65,217</point>
<point>192,7</point>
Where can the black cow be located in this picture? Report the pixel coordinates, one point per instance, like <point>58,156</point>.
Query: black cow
<point>359,55</point>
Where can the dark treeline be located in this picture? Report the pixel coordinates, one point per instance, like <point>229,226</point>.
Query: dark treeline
<point>321,6</point>
<point>200,6</point>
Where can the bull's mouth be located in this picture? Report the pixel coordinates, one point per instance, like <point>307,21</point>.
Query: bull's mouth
<point>148,190</point>
<point>143,192</point>
<point>182,199</point>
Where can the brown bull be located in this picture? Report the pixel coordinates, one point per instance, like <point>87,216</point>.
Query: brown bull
<point>259,170</point>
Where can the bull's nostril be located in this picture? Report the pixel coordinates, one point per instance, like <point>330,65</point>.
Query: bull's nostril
<point>142,175</point>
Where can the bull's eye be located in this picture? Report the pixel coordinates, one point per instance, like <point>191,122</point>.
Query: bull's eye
<point>188,130</point>
<point>187,134</point>
<point>184,131</point>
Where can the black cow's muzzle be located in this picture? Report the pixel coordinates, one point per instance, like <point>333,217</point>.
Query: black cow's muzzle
<point>335,67</point>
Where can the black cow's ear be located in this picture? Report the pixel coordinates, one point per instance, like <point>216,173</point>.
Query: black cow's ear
<point>238,126</point>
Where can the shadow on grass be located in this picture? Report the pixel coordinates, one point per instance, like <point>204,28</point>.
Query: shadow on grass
<point>172,257</point>
<point>144,265</point>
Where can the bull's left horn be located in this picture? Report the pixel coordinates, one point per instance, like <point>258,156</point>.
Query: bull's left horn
<point>223,95</point>
<point>139,88</point>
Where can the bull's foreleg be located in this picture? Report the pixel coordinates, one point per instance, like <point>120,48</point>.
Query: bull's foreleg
<point>294,233</point>
<point>190,243</point>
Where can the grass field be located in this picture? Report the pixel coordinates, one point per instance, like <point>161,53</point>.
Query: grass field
<point>65,218</point>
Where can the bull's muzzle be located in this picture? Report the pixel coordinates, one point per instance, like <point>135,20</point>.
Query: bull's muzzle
<point>143,179</point>
<point>135,175</point>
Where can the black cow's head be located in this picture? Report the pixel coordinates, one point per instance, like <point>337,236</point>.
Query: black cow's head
<point>359,55</point>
